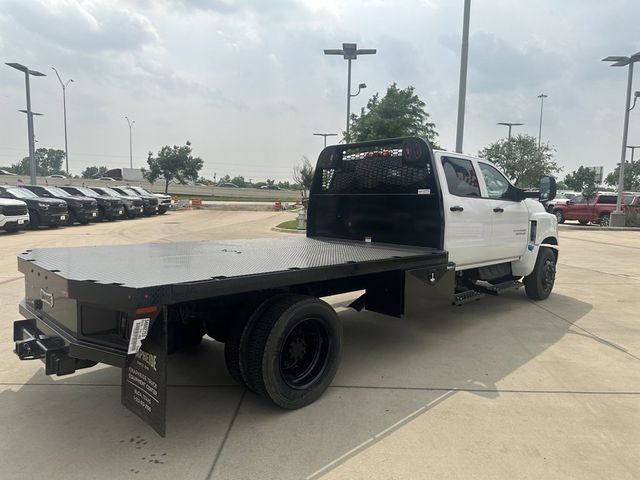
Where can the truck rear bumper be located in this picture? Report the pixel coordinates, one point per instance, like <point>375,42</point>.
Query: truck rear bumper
<point>40,337</point>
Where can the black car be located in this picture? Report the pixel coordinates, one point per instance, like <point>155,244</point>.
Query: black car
<point>150,201</point>
<point>42,211</point>
<point>133,206</point>
<point>109,208</point>
<point>81,209</point>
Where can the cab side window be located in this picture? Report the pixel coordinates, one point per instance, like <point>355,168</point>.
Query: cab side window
<point>461,177</point>
<point>579,200</point>
<point>497,185</point>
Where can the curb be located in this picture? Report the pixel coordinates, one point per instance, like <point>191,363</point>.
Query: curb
<point>598,228</point>
<point>287,230</point>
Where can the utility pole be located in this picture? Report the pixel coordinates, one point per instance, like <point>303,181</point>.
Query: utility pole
<point>542,96</point>
<point>462,88</point>
<point>64,108</point>
<point>130,142</point>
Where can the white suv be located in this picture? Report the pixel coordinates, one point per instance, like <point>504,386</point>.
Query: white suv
<point>13,215</point>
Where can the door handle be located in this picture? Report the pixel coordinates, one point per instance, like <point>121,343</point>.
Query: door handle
<point>498,210</point>
<point>456,208</point>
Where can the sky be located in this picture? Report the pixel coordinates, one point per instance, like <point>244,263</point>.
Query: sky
<point>246,81</point>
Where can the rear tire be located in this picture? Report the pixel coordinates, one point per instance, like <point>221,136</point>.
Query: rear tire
<point>293,351</point>
<point>604,220</point>
<point>539,283</point>
<point>559,215</point>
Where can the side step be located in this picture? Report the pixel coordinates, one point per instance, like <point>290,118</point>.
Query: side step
<point>479,291</point>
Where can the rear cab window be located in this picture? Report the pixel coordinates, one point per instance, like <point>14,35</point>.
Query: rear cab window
<point>607,199</point>
<point>462,179</point>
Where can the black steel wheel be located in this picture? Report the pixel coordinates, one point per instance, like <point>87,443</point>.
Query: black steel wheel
<point>539,283</point>
<point>293,351</point>
<point>604,220</point>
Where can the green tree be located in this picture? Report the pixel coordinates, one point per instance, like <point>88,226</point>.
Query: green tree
<point>631,176</point>
<point>173,164</point>
<point>93,172</point>
<point>48,162</point>
<point>400,113</point>
<point>582,180</point>
<point>521,159</point>
<point>239,181</point>
<point>303,175</point>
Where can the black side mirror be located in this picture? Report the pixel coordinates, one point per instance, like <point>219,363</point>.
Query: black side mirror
<point>547,188</point>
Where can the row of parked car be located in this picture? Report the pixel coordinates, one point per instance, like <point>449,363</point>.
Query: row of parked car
<point>42,205</point>
<point>595,209</point>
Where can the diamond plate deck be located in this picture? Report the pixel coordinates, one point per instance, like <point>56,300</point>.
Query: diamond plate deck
<point>161,264</point>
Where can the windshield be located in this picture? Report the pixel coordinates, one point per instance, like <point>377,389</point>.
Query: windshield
<point>87,192</point>
<point>130,191</point>
<point>58,192</point>
<point>21,192</point>
<point>141,190</point>
<point>111,192</point>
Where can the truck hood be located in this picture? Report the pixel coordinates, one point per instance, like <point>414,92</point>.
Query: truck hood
<point>5,202</point>
<point>534,206</point>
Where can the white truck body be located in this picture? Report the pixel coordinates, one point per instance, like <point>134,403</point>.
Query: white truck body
<point>482,227</point>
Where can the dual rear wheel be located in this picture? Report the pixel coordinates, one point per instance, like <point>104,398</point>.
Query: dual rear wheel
<point>287,350</point>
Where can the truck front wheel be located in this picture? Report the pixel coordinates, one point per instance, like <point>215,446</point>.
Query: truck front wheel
<point>293,351</point>
<point>539,283</point>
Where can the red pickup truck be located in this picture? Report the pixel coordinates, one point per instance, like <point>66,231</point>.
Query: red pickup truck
<point>596,209</point>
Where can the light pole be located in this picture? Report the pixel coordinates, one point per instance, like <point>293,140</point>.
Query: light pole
<point>617,218</point>
<point>32,157</point>
<point>462,88</point>
<point>510,124</point>
<point>542,96</point>
<point>633,149</point>
<point>350,52</point>
<point>130,142</point>
<point>64,108</point>
<point>325,135</point>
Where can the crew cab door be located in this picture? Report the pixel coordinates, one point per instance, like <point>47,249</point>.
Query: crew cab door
<point>467,216</point>
<point>510,218</point>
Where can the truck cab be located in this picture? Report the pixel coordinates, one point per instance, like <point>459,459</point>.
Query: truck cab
<point>488,221</point>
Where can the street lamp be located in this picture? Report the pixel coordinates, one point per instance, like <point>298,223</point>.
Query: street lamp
<point>510,124</point>
<point>618,217</point>
<point>633,149</point>
<point>542,96</point>
<point>32,157</point>
<point>325,135</point>
<point>64,107</point>
<point>130,142</point>
<point>350,52</point>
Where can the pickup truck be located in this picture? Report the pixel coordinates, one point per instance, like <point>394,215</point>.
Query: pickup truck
<point>13,215</point>
<point>133,206</point>
<point>109,208</point>
<point>149,201</point>
<point>164,201</point>
<point>408,226</point>
<point>81,209</point>
<point>42,211</point>
<point>585,210</point>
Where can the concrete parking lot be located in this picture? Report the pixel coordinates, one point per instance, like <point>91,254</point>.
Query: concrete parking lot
<point>500,388</point>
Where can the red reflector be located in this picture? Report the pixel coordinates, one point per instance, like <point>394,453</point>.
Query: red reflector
<point>145,310</point>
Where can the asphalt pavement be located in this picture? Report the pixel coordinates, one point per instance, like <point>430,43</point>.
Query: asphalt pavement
<point>500,388</point>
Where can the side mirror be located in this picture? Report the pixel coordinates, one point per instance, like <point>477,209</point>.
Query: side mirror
<point>547,189</point>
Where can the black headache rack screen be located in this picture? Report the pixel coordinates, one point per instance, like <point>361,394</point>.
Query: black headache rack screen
<point>383,191</point>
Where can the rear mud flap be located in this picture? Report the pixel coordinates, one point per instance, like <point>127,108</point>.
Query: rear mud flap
<point>144,378</point>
